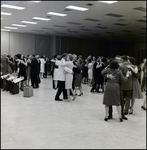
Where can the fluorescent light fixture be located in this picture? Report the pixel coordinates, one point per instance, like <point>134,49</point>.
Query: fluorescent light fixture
<point>12,7</point>
<point>10,28</point>
<point>28,22</point>
<point>4,13</point>
<point>36,1</point>
<point>5,30</point>
<point>43,19</point>
<point>108,2</point>
<point>57,14</point>
<point>19,25</point>
<point>77,8</point>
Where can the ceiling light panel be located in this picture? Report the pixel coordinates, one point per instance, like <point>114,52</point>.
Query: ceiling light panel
<point>13,7</point>
<point>5,30</point>
<point>77,8</point>
<point>56,14</point>
<point>39,18</point>
<point>108,2</point>
<point>19,25</point>
<point>28,22</point>
<point>35,1</point>
<point>10,28</point>
<point>4,13</point>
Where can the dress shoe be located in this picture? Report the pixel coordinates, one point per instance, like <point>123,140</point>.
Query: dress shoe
<point>120,119</point>
<point>143,108</point>
<point>110,117</point>
<point>125,118</point>
<point>80,94</point>
<point>125,113</point>
<point>131,112</point>
<point>106,118</point>
<point>58,99</point>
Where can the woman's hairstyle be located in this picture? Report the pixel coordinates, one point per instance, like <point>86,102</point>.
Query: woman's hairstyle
<point>70,57</point>
<point>59,57</point>
<point>132,60</point>
<point>18,56</point>
<point>113,64</point>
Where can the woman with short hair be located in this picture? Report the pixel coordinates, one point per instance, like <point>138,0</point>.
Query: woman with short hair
<point>112,90</point>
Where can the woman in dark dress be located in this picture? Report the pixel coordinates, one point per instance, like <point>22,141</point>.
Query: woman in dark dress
<point>21,62</point>
<point>78,77</point>
<point>85,71</point>
<point>112,90</point>
<point>99,78</point>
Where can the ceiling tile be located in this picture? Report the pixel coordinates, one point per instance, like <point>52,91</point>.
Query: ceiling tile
<point>126,31</point>
<point>141,20</point>
<point>140,9</point>
<point>73,31</point>
<point>101,27</point>
<point>59,26</point>
<point>48,28</point>
<point>114,15</point>
<point>67,9</point>
<point>89,4</point>
<point>110,32</point>
<point>85,29</point>
<point>120,24</point>
<point>38,30</point>
<point>90,19</point>
<point>75,23</point>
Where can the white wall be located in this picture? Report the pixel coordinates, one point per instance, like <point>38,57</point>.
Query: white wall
<point>4,42</point>
<point>22,44</point>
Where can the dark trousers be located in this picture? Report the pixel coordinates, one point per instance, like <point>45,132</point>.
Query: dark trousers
<point>53,83</point>
<point>93,87</point>
<point>61,88</point>
<point>34,79</point>
<point>127,95</point>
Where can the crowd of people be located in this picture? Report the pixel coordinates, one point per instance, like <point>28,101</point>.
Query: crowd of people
<point>119,79</point>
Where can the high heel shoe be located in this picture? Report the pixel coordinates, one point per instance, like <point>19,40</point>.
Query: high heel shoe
<point>120,119</point>
<point>80,94</point>
<point>143,108</point>
<point>106,118</point>
<point>131,112</point>
<point>74,98</point>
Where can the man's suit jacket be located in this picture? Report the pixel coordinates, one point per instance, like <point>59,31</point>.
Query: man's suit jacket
<point>126,85</point>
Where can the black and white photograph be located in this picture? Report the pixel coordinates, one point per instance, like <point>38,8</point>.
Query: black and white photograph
<point>73,74</point>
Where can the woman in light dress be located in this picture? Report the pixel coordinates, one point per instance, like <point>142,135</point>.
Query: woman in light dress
<point>69,77</point>
<point>42,66</point>
<point>90,71</point>
<point>55,73</point>
<point>136,86</point>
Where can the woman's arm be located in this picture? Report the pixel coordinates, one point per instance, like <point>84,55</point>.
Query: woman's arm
<point>135,70</point>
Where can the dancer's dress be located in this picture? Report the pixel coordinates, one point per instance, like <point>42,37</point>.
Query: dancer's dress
<point>112,90</point>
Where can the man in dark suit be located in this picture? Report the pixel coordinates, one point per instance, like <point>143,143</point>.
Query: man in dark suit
<point>34,72</point>
<point>126,87</point>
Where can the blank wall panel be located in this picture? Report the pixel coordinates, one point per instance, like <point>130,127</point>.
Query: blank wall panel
<point>5,42</point>
<point>42,45</point>
<point>64,45</point>
<point>22,43</point>
<point>74,46</point>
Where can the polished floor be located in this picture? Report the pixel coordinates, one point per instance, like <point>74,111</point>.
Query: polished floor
<point>40,122</point>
